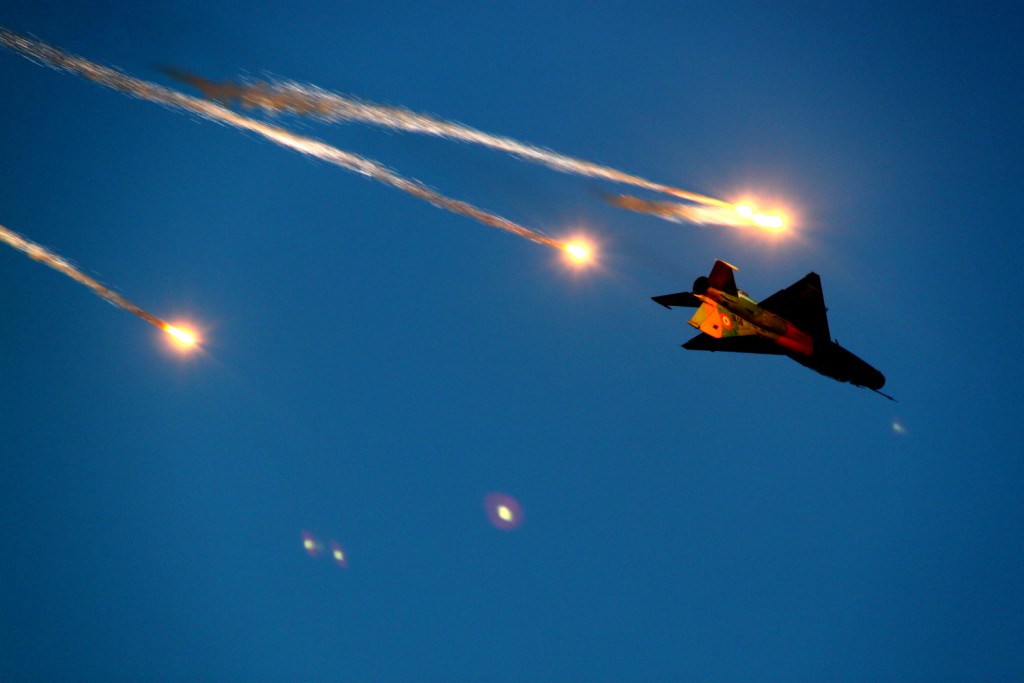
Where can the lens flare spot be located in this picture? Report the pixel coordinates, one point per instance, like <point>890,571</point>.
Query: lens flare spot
<point>744,210</point>
<point>339,555</point>
<point>182,337</point>
<point>311,545</point>
<point>503,511</point>
<point>898,428</point>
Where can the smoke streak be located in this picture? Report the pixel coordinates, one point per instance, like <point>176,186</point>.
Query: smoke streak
<point>56,58</point>
<point>289,96</point>
<point>735,216</point>
<point>47,257</point>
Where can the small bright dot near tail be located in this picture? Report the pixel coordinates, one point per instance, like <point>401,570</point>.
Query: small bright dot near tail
<point>339,555</point>
<point>503,511</point>
<point>898,427</point>
<point>183,337</point>
<point>311,545</point>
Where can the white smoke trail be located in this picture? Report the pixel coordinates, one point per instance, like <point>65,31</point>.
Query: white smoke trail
<point>298,98</point>
<point>289,96</point>
<point>47,257</point>
<point>56,58</point>
<point>735,216</point>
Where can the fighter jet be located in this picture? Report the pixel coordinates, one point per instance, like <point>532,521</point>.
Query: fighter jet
<point>791,322</point>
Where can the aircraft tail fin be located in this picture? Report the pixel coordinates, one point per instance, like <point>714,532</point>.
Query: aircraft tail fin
<point>721,277</point>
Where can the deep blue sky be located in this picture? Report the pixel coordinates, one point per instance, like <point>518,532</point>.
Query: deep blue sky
<point>374,366</point>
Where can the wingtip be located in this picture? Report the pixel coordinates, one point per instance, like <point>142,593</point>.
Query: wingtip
<point>660,300</point>
<point>882,393</point>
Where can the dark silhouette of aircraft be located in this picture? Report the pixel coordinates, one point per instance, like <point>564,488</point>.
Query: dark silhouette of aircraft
<point>791,322</point>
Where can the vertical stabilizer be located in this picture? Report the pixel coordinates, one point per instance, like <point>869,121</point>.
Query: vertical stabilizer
<point>722,278</point>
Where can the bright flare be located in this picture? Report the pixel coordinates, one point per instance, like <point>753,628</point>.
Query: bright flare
<point>578,252</point>
<point>47,257</point>
<point>183,337</point>
<point>766,221</point>
<point>55,58</point>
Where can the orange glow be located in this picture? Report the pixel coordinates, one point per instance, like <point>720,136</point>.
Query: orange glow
<point>767,221</point>
<point>183,337</point>
<point>764,220</point>
<point>578,251</point>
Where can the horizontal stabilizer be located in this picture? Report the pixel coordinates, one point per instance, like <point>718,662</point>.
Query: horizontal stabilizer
<point>685,299</point>
<point>747,344</point>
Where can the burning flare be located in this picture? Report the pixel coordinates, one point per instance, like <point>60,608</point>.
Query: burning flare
<point>181,336</point>
<point>738,215</point>
<point>47,257</point>
<point>56,58</point>
<point>309,100</point>
<point>578,251</point>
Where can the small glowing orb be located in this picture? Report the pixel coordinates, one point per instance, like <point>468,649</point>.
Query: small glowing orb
<point>898,427</point>
<point>184,338</point>
<point>311,544</point>
<point>503,511</point>
<point>578,251</point>
<point>339,555</point>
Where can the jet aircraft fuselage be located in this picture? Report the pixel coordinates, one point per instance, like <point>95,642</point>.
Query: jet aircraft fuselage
<point>792,322</point>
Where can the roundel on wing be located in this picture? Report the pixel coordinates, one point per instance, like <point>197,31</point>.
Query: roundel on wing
<point>726,322</point>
